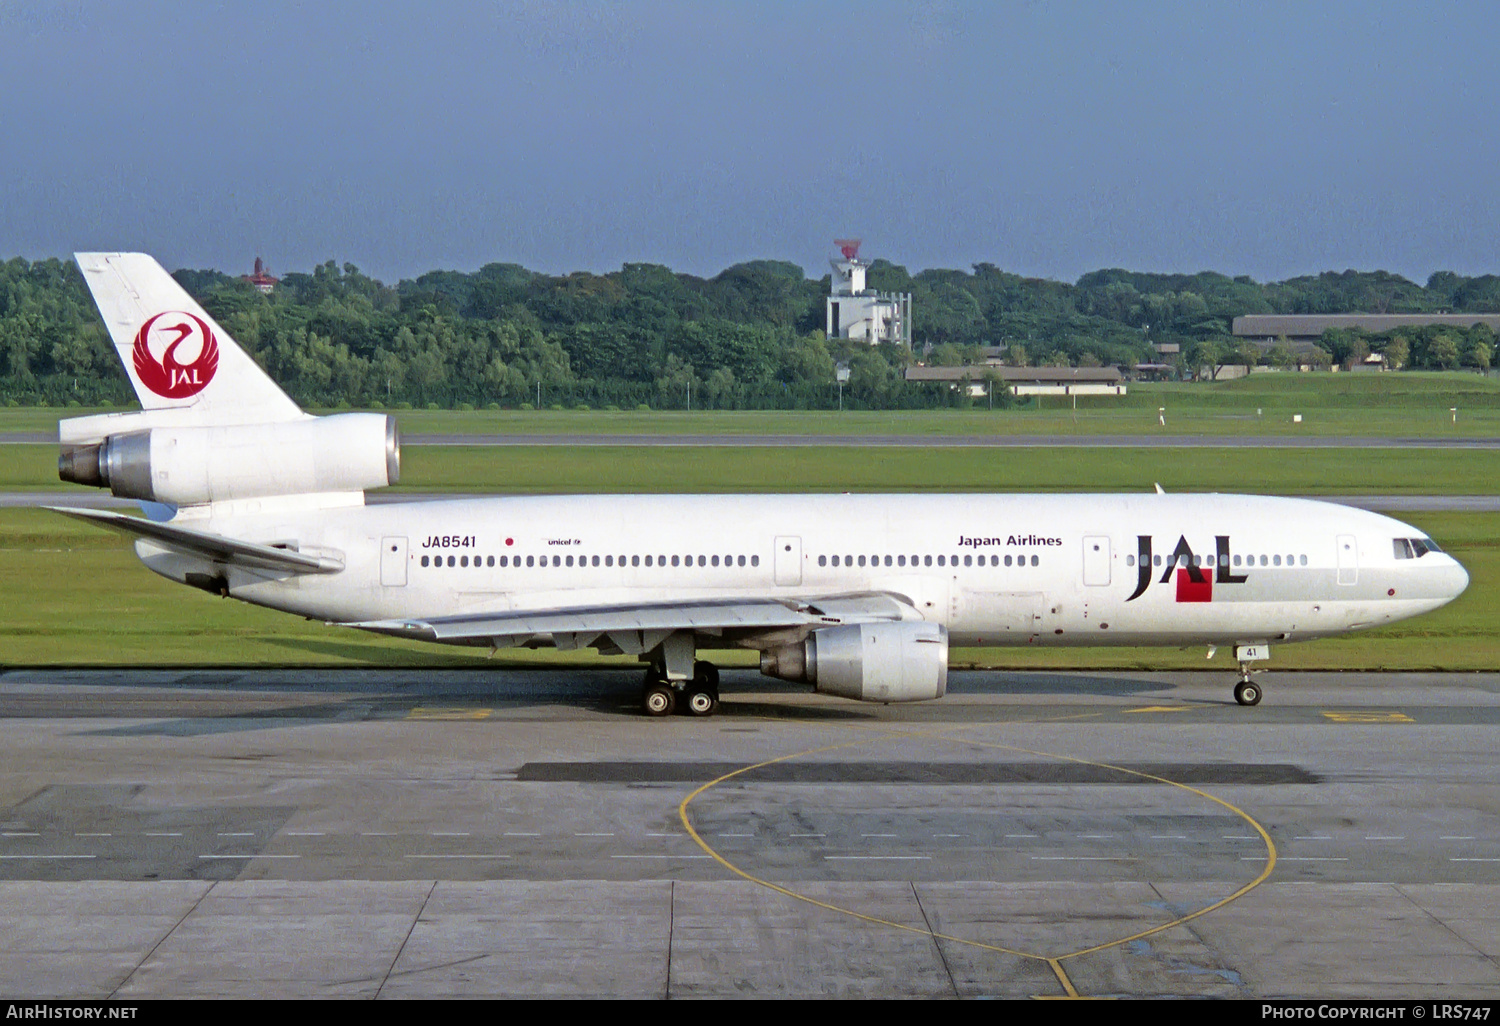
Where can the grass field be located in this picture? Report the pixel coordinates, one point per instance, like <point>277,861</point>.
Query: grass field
<point>555,469</point>
<point>1383,405</point>
<point>75,595</point>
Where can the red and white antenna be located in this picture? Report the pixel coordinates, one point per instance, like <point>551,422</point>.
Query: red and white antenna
<point>849,247</point>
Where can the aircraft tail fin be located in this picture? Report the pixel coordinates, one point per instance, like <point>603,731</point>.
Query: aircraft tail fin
<point>177,357</point>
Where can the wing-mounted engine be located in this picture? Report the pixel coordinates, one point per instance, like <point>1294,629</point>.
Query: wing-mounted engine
<point>905,661</point>
<point>189,464</point>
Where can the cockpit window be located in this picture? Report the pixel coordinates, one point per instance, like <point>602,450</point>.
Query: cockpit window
<point>1414,548</point>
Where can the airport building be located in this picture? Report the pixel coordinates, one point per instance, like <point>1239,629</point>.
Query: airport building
<point>860,313</point>
<point>1025,380</point>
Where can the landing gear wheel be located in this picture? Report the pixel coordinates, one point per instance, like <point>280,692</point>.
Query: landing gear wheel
<point>1247,693</point>
<point>658,699</point>
<point>702,695</point>
<point>701,702</point>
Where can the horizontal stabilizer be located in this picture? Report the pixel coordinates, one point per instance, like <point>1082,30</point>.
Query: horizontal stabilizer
<point>228,551</point>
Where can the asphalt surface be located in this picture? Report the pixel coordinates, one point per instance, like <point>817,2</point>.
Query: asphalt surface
<point>390,833</point>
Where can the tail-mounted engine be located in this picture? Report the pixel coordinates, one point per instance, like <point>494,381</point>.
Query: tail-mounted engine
<point>189,465</point>
<point>902,661</point>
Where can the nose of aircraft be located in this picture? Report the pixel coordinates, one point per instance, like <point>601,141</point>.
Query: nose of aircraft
<point>1455,579</point>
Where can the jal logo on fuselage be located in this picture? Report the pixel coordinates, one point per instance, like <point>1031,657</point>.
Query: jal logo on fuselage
<point>189,354</point>
<point>1194,583</point>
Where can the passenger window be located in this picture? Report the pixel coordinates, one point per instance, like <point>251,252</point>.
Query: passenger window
<point>1156,560</point>
<point>674,560</point>
<point>702,561</point>
<point>968,560</point>
<point>1007,561</point>
<point>1035,560</point>
<point>569,561</point>
<point>900,560</point>
<point>887,560</point>
<point>755,561</point>
<point>594,561</point>
<point>1302,560</point>
<point>451,561</point>
<point>424,560</point>
<point>861,560</point>
<point>822,560</point>
<point>1275,560</point>
<point>489,561</point>
<point>741,561</point>
<point>940,561</point>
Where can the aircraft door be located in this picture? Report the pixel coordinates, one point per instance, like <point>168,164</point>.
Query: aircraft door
<point>1348,559</point>
<point>1096,560</point>
<point>788,560</point>
<point>393,562</point>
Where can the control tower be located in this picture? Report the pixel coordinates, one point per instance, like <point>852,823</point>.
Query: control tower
<point>858,312</point>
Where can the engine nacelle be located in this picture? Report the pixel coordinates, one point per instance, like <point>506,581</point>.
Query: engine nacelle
<point>185,466</point>
<point>901,661</point>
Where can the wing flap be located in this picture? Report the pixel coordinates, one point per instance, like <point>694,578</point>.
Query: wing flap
<point>216,547</point>
<point>705,617</point>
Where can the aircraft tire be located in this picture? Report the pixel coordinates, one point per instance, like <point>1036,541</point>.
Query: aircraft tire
<point>658,699</point>
<point>701,701</point>
<point>1247,693</point>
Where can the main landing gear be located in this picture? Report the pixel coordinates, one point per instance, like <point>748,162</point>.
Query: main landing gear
<point>698,696</point>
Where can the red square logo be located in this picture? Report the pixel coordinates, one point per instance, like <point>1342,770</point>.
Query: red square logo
<point>1189,590</point>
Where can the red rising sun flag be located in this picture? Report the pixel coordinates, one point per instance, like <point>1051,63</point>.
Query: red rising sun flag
<point>1189,590</point>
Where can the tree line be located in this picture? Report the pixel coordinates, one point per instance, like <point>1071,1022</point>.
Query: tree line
<point>749,337</point>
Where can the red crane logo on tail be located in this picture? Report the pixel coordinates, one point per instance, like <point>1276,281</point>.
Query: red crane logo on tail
<point>175,335</point>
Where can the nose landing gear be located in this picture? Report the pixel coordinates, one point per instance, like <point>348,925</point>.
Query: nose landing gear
<point>1247,692</point>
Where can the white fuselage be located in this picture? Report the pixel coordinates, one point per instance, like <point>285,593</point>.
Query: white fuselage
<point>993,569</point>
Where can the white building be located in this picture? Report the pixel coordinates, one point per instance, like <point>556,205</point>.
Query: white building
<point>858,312</point>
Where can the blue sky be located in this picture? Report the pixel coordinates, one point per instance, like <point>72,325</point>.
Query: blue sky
<point>1047,138</point>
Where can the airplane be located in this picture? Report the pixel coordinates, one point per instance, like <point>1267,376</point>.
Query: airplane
<point>860,596</point>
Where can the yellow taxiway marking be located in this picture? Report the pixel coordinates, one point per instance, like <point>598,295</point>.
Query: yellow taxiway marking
<point>438,713</point>
<point>1160,708</point>
<point>1054,962</point>
<point>1368,717</point>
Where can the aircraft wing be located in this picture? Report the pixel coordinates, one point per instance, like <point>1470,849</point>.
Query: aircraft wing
<point>229,551</point>
<point>640,627</point>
